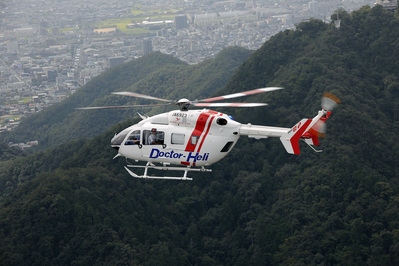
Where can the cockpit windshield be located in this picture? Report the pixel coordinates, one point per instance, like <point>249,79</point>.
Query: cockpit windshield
<point>118,138</point>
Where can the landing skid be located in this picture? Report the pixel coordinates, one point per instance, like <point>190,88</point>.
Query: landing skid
<point>176,168</point>
<point>312,147</point>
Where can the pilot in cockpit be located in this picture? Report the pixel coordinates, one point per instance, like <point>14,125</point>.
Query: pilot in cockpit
<point>152,138</point>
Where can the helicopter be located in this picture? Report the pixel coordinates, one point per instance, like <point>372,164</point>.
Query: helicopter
<point>192,140</point>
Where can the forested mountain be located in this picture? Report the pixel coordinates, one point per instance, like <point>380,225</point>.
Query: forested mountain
<point>7,153</point>
<point>154,74</point>
<point>73,204</point>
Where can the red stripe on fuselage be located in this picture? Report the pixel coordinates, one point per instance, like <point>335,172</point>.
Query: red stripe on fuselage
<point>206,133</point>
<point>207,130</point>
<point>199,128</point>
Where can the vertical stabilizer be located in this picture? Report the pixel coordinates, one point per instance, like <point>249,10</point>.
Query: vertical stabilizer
<point>290,139</point>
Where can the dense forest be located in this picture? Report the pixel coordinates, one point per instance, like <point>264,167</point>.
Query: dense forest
<point>72,204</point>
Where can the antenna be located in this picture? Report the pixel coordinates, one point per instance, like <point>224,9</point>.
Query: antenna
<point>337,22</point>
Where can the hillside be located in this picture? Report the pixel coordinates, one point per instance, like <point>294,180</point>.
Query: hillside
<point>7,153</point>
<point>73,204</point>
<point>154,74</point>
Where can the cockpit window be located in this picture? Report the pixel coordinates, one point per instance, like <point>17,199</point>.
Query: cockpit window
<point>134,138</point>
<point>117,140</point>
<point>153,137</point>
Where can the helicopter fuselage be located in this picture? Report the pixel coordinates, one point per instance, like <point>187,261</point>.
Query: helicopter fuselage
<point>189,138</point>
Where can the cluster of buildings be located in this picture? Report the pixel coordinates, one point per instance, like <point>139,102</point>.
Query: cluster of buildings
<point>50,48</point>
<point>23,145</point>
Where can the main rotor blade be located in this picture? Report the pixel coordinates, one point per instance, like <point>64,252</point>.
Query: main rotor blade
<point>138,95</point>
<point>230,104</point>
<point>240,94</point>
<point>120,107</point>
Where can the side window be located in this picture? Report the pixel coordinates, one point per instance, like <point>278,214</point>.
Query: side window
<point>177,139</point>
<point>227,147</point>
<point>194,139</point>
<point>153,137</point>
<point>134,138</point>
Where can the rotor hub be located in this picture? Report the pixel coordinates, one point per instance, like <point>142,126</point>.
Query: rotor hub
<point>184,104</point>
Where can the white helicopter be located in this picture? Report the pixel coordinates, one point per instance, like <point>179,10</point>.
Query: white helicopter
<point>196,139</point>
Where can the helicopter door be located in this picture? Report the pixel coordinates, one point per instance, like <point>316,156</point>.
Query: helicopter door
<point>132,145</point>
<point>153,142</point>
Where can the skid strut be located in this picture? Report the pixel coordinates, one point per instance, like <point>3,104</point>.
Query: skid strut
<point>172,168</point>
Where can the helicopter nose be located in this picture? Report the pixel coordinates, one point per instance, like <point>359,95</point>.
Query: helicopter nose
<point>116,141</point>
<point>115,147</point>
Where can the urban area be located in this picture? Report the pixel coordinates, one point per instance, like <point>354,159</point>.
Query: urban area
<point>50,48</point>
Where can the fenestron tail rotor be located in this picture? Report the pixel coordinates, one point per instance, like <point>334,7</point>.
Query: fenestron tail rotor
<point>328,103</point>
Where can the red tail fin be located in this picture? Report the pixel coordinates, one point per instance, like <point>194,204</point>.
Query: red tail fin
<point>307,129</point>
<point>290,139</point>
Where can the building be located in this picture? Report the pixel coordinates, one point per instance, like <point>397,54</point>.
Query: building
<point>147,46</point>
<point>181,22</point>
<point>222,18</point>
<point>24,32</point>
<point>313,7</point>
<point>52,75</point>
<point>388,4</point>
